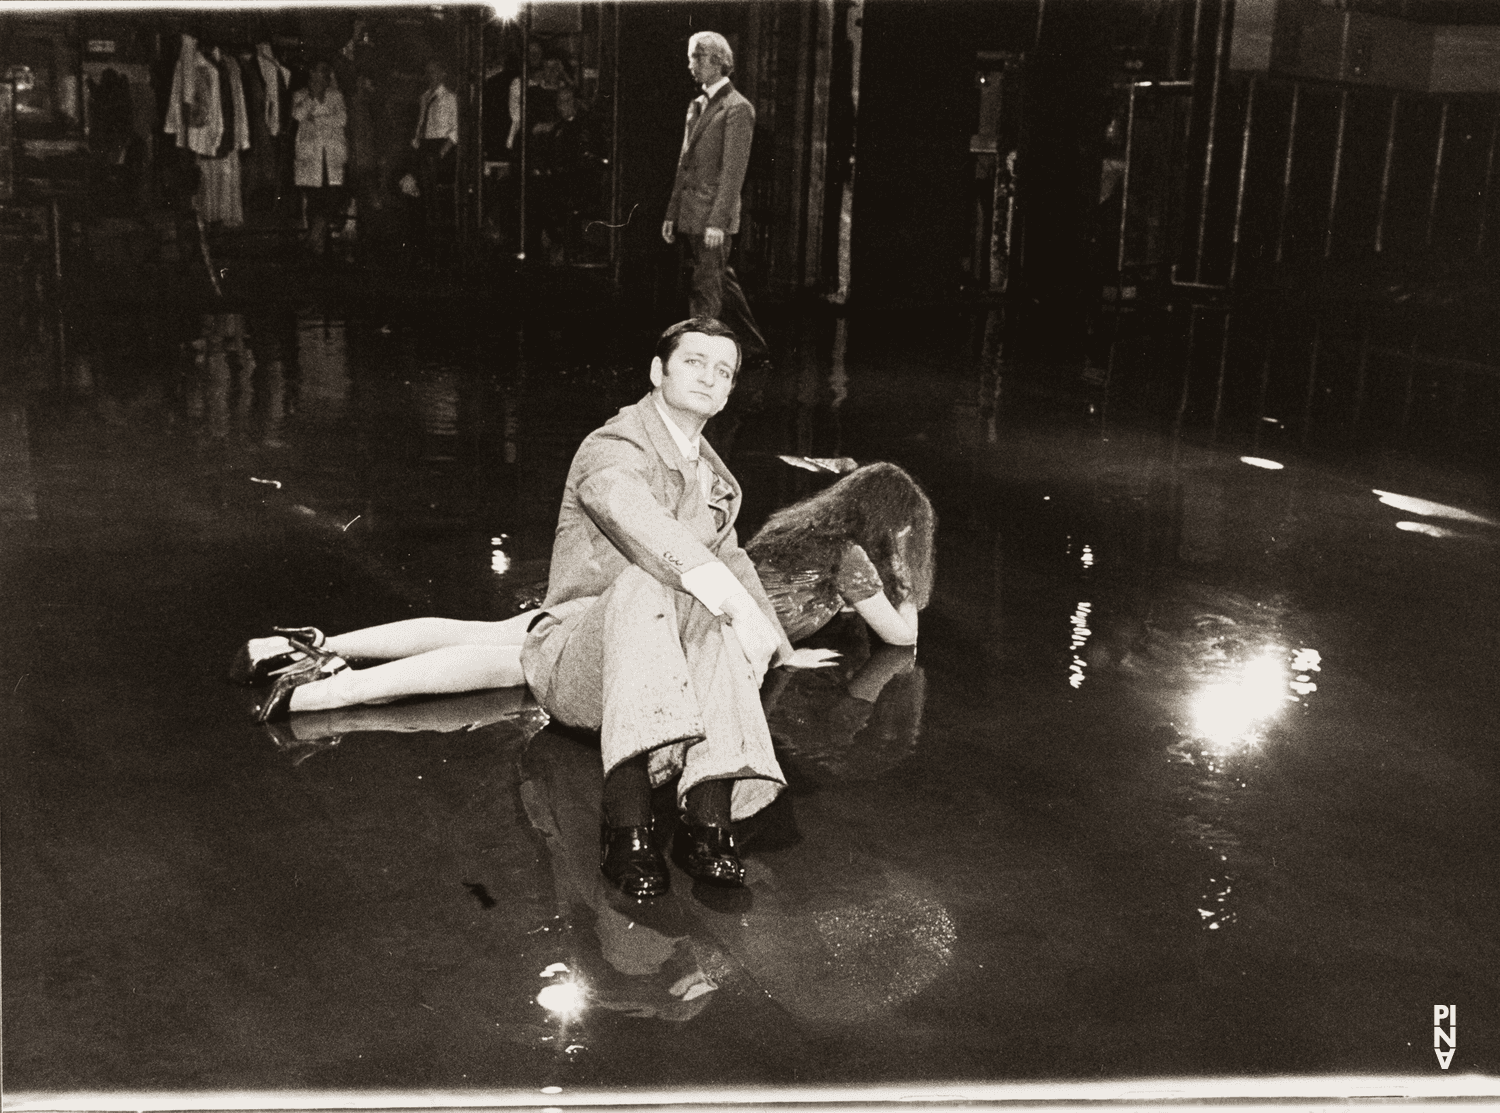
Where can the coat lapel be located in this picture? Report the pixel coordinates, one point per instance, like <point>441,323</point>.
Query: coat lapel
<point>691,506</point>
<point>672,456</point>
<point>706,451</point>
<point>715,106</point>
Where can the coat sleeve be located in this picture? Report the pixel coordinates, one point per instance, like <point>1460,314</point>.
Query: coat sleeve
<point>739,563</point>
<point>739,132</point>
<point>614,490</point>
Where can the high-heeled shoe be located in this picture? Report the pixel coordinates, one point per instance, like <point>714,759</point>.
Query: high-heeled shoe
<point>258,658</point>
<point>629,858</point>
<point>315,664</point>
<point>707,853</point>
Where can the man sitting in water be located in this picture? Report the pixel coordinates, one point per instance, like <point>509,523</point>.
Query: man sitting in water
<point>656,630</point>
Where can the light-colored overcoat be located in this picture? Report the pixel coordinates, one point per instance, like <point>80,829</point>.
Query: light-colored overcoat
<point>321,138</point>
<point>631,498</point>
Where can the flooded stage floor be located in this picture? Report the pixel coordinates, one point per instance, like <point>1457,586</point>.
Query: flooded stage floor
<point>1194,773</point>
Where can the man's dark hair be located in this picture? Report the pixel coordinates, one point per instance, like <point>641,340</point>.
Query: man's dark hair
<point>706,326</point>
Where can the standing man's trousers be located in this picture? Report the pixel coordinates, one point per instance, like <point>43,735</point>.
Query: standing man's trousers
<point>656,673</point>
<point>715,292</point>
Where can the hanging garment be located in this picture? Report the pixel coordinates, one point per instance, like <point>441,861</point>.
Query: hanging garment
<point>219,192</point>
<point>194,115</point>
<point>236,134</point>
<point>276,79</point>
<point>259,166</point>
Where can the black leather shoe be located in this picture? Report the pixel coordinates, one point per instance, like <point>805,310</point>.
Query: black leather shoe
<point>629,858</point>
<point>251,668</point>
<point>707,853</point>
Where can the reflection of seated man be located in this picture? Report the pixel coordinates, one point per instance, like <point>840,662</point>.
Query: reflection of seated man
<point>650,970</point>
<point>656,630</point>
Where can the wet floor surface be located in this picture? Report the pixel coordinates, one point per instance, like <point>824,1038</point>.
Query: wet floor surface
<point>1193,774</point>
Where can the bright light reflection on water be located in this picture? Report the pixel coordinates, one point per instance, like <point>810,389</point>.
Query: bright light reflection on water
<point>1428,510</point>
<point>1226,714</point>
<point>1426,528</point>
<point>1081,632</point>
<point>562,998</point>
<point>1233,713</point>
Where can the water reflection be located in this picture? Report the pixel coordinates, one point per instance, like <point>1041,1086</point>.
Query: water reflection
<point>323,356</point>
<point>1428,528</point>
<point>856,721</point>
<point>1081,632</point>
<point>1431,509</point>
<point>511,709</point>
<point>17,487</point>
<point>628,959</point>
<point>832,933</point>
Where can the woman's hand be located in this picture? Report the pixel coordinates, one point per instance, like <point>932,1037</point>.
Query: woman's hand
<point>812,659</point>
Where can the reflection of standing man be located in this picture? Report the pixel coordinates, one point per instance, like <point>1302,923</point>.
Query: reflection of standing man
<point>705,205</point>
<point>435,141</point>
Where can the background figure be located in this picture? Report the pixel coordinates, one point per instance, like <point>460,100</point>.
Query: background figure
<point>322,150</point>
<point>704,210</point>
<point>435,141</point>
<point>119,156</point>
<point>364,154</point>
<point>567,165</point>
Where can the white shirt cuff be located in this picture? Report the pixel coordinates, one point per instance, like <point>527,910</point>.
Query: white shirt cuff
<point>711,584</point>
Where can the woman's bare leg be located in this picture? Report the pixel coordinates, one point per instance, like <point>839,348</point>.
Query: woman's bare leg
<point>412,636</point>
<point>454,668</point>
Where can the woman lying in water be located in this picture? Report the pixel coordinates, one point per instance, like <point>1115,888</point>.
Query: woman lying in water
<point>865,542</point>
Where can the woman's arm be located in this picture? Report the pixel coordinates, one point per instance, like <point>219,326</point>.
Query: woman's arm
<point>891,625</point>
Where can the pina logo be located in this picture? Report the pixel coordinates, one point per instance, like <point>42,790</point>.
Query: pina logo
<point>1440,1037</point>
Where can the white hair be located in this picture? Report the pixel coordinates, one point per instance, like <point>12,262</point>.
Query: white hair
<point>718,46</point>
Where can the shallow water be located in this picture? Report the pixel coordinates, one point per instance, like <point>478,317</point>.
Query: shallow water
<point>1192,775</point>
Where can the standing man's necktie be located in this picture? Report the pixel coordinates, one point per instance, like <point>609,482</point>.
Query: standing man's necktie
<point>422,119</point>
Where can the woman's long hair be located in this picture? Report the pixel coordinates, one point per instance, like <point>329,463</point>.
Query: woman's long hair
<point>870,506</point>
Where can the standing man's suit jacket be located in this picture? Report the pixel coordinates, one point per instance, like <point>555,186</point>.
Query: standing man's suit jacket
<point>632,498</point>
<point>711,170</point>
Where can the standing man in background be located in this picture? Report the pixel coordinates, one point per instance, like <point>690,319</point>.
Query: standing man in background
<point>704,211</point>
<point>435,141</point>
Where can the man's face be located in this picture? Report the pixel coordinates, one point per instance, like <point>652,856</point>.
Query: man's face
<point>435,75</point>
<point>698,377</point>
<point>703,65</point>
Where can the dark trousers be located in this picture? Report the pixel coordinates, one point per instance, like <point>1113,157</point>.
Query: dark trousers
<point>715,292</point>
<point>435,180</point>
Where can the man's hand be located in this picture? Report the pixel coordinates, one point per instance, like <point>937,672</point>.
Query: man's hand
<point>812,659</point>
<point>667,233</point>
<point>757,637</point>
<point>416,144</point>
<point>713,237</point>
